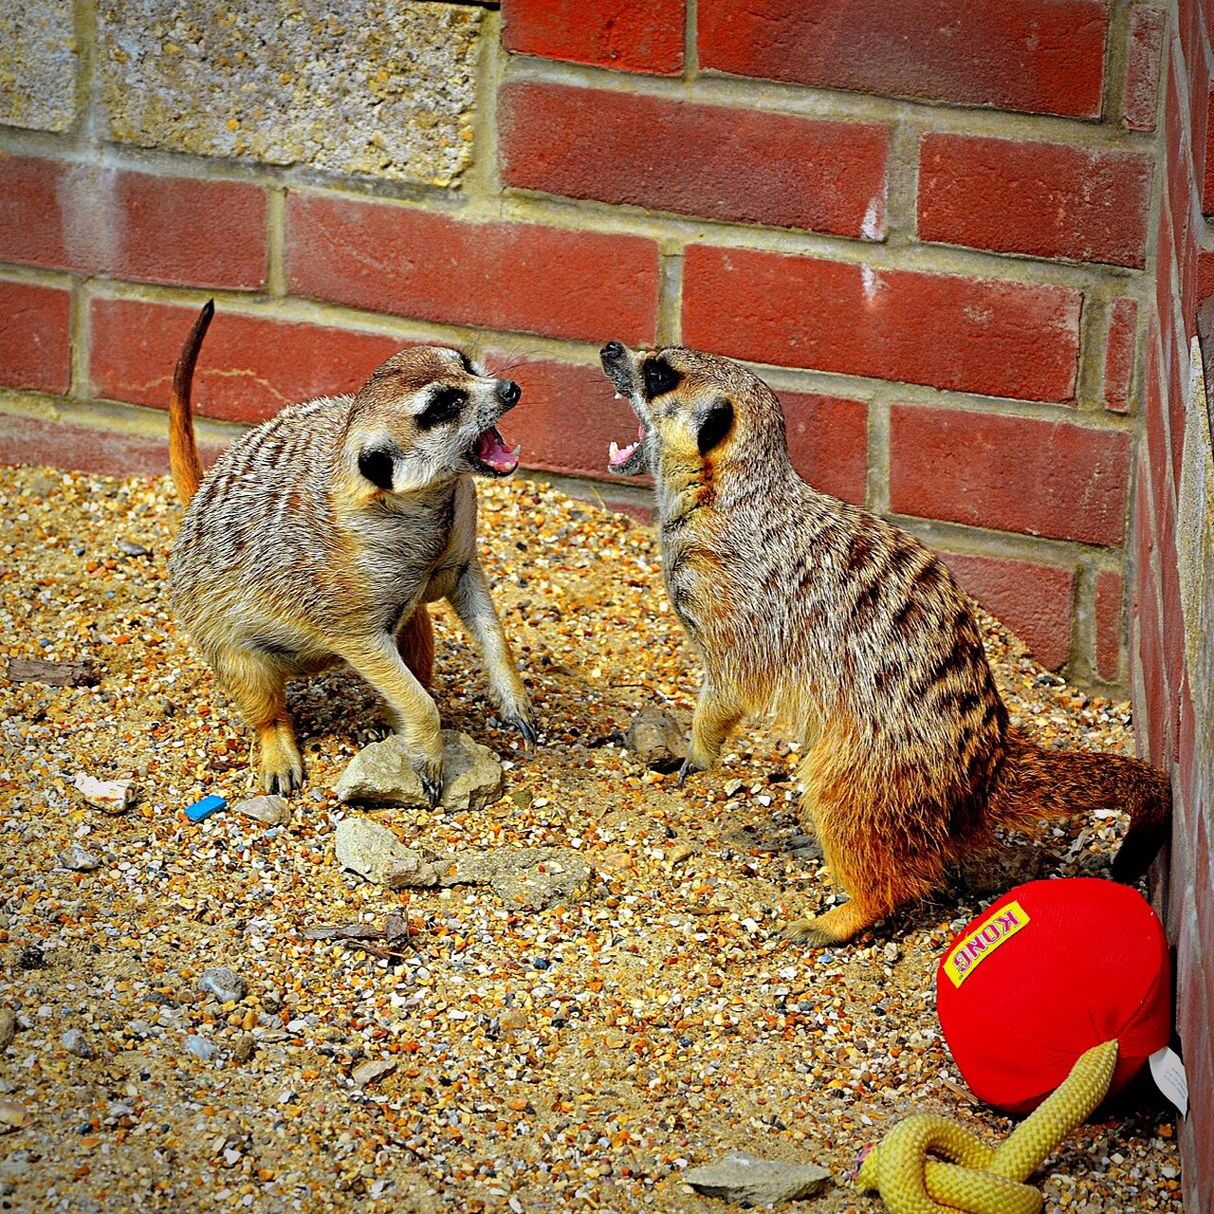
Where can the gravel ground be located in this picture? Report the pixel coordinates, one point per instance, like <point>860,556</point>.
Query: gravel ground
<point>577,1058</point>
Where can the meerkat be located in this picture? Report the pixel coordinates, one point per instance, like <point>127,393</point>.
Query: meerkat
<point>319,536</point>
<point>851,629</point>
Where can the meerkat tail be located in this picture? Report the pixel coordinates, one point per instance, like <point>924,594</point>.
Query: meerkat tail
<point>183,450</point>
<point>415,642</point>
<point>1036,783</point>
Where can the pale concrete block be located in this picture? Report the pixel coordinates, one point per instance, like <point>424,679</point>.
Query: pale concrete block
<point>37,64</point>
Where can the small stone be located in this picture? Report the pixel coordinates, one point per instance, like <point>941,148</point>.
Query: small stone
<point>891,953</point>
<point>680,853</point>
<point>273,811</point>
<point>78,859</point>
<point>200,1047</point>
<point>74,1042</point>
<point>226,985</point>
<point>382,774</point>
<point>748,1180</point>
<point>8,1027</point>
<point>112,796</point>
<point>243,1048</point>
<point>513,1020</point>
<point>657,739</point>
<point>370,1070</point>
<point>130,548</point>
<point>374,852</point>
<point>13,1116</point>
<point>31,957</point>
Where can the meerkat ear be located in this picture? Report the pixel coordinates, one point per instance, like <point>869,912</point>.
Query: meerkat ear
<point>378,466</point>
<point>715,423</point>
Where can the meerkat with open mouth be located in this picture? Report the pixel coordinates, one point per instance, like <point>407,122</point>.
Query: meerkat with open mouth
<point>854,632</point>
<point>319,536</point>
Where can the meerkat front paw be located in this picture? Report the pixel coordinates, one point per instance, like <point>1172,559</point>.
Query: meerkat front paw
<point>807,932</point>
<point>431,776</point>
<point>522,722</point>
<point>688,768</point>
<point>279,766</point>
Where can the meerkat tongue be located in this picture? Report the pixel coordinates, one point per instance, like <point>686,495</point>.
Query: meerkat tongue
<point>492,451</point>
<point>617,455</point>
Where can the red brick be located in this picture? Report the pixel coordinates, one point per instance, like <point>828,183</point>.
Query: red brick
<point>1051,478</point>
<point>1034,601</point>
<point>555,281</point>
<point>1040,199</point>
<point>567,416</point>
<point>749,166</point>
<point>26,440</point>
<point>249,368</point>
<point>1119,354</point>
<point>1110,593</point>
<point>103,221</point>
<point>969,334</point>
<point>1141,99</point>
<point>1043,56</point>
<point>35,349</point>
<point>828,443</point>
<point>1205,275</point>
<point>629,35</point>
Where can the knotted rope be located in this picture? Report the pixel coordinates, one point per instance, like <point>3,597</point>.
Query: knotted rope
<point>978,1179</point>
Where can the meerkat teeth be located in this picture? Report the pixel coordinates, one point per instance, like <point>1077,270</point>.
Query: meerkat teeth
<point>618,396</point>
<point>613,451</point>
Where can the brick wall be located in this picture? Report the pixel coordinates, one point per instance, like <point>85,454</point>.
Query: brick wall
<point>1172,553</point>
<point>927,223</point>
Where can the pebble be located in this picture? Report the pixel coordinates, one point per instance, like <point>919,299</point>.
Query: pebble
<point>744,1178</point>
<point>226,985</point>
<point>78,859</point>
<point>13,1116</point>
<point>243,1048</point>
<point>75,1042</point>
<point>372,1069</point>
<point>273,811</point>
<point>200,1047</point>
<point>31,957</point>
<point>8,1027</point>
<point>382,774</point>
<point>110,796</point>
<point>657,739</point>
<point>130,548</point>
<point>372,851</point>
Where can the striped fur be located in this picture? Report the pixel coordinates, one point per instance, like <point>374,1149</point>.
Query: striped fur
<point>291,558</point>
<point>856,633</point>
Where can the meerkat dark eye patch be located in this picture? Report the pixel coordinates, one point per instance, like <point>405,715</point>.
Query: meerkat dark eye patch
<point>377,465</point>
<point>444,406</point>
<point>660,377</point>
<point>715,425</point>
<point>466,363</point>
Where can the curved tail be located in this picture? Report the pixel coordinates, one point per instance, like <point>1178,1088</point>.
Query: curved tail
<point>1036,783</point>
<point>183,450</point>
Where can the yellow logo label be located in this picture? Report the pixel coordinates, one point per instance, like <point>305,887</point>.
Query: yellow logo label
<point>992,932</point>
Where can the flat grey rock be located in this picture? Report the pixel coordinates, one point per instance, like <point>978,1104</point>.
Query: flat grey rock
<point>373,851</point>
<point>525,878</point>
<point>744,1178</point>
<point>226,985</point>
<point>200,1047</point>
<point>78,859</point>
<point>381,774</point>
<point>371,1069</point>
<point>657,739</point>
<point>8,1027</point>
<point>75,1042</point>
<point>273,811</point>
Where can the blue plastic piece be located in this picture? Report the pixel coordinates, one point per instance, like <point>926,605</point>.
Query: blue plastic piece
<point>205,808</point>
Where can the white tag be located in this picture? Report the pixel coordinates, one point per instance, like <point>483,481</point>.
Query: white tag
<point>1168,1072</point>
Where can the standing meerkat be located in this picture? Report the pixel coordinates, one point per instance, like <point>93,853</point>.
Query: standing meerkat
<point>320,535</point>
<point>851,629</point>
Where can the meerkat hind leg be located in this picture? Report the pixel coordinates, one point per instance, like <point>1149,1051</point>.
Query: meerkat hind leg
<point>259,690</point>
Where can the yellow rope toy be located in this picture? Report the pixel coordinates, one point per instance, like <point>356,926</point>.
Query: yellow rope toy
<point>979,1179</point>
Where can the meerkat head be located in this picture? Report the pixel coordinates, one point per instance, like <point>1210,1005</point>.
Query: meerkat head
<point>426,415</point>
<point>692,408</point>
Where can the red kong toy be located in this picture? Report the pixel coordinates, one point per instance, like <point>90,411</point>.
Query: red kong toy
<point>1050,970</point>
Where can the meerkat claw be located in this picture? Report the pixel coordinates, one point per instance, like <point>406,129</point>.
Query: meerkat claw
<point>525,728</point>
<point>806,931</point>
<point>432,785</point>
<point>688,768</point>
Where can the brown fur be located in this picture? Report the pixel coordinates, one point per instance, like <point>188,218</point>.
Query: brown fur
<point>320,535</point>
<point>851,629</point>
